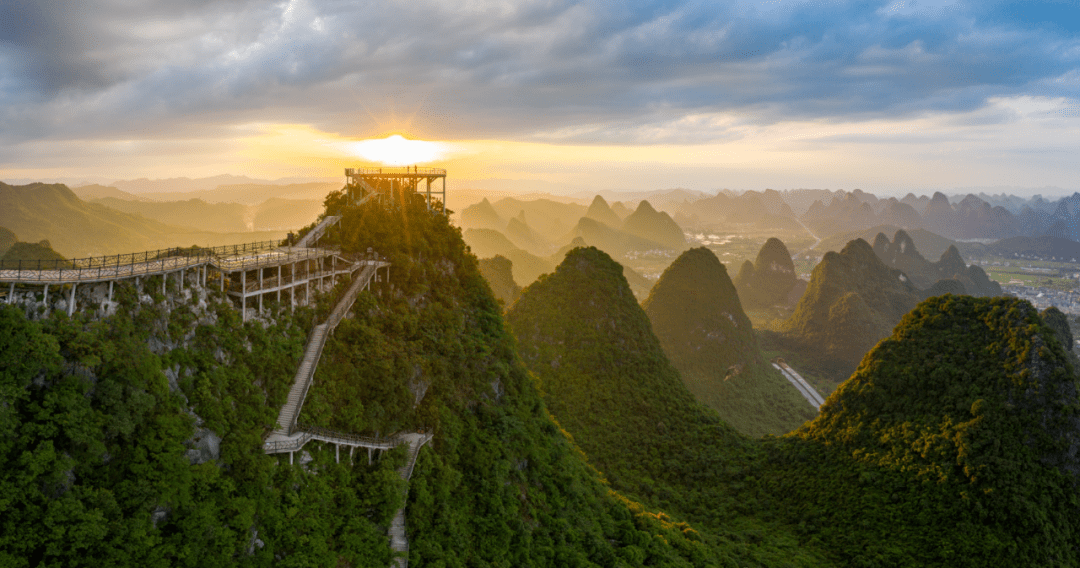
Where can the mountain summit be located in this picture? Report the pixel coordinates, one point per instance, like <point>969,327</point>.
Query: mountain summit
<point>696,314</point>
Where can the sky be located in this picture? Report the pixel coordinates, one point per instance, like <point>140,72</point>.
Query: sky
<point>886,96</point>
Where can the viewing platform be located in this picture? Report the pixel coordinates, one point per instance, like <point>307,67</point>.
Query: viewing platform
<point>396,184</point>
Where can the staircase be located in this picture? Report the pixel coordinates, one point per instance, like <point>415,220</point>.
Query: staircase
<point>314,234</point>
<point>399,541</point>
<point>287,417</point>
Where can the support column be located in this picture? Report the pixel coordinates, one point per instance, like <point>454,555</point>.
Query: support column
<point>11,294</point>
<point>164,283</point>
<point>46,299</point>
<point>369,456</point>
<point>243,307</point>
<point>290,458</point>
<point>279,284</point>
<point>337,453</point>
<point>71,300</point>
<point>110,290</point>
<point>351,448</point>
<point>181,279</point>
<point>222,273</point>
<point>260,291</point>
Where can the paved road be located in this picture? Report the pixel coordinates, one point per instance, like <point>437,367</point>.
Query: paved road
<point>809,393</point>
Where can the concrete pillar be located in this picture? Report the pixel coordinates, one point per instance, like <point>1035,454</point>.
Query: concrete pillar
<point>181,279</point>
<point>337,453</point>
<point>11,294</point>
<point>243,307</point>
<point>222,274</point>
<point>290,458</point>
<point>351,448</point>
<point>110,290</point>
<point>164,283</point>
<point>279,284</point>
<point>369,456</point>
<point>71,300</point>
<point>46,299</point>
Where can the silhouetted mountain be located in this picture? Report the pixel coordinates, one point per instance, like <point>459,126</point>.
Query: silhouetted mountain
<point>842,214</point>
<point>696,314</point>
<point>29,252</point>
<point>650,224</point>
<point>486,243</point>
<point>609,240</point>
<point>96,191</point>
<point>930,244</point>
<point>482,216</point>
<point>900,214</point>
<point>600,211</point>
<point>525,238</point>
<point>903,255</point>
<point>1048,248</point>
<point>551,219</point>
<point>769,280</point>
<point>196,213</point>
<point>78,229</point>
<point>620,210</point>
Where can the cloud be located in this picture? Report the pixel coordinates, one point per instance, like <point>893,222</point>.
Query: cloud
<point>590,71</point>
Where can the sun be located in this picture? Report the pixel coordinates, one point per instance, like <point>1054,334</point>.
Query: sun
<point>397,150</point>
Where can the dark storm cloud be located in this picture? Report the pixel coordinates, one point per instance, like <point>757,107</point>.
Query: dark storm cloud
<point>604,71</point>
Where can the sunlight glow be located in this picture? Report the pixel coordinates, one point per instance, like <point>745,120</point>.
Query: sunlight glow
<point>397,150</point>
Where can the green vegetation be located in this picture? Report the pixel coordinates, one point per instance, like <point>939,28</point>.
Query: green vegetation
<point>853,301</point>
<point>110,468</point>
<point>656,226</point>
<point>696,314</point>
<point>962,456</point>
<point>503,484</point>
<point>606,379</point>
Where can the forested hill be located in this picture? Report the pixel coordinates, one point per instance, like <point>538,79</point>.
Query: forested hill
<point>954,444</point>
<point>136,440</point>
<point>698,318</point>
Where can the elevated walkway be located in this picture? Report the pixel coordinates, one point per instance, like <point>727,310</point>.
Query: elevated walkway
<point>286,421</point>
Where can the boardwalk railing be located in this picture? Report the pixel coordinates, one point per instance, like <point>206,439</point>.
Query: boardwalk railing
<point>231,258</point>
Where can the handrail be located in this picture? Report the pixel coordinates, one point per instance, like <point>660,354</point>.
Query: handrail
<point>394,170</point>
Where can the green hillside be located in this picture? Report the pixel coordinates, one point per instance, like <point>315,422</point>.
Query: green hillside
<point>853,301</point>
<point>612,241</point>
<point>696,314</point>
<point>605,378</point>
<point>952,445</point>
<point>136,439</point>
